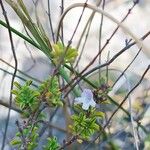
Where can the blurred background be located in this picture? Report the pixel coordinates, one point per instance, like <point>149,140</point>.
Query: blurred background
<point>33,63</point>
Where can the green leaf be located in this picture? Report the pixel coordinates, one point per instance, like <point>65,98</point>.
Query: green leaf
<point>23,7</point>
<point>15,142</point>
<point>15,92</point>
<point>17,85</point>
<point>52,144</point>
<point>99,114</point>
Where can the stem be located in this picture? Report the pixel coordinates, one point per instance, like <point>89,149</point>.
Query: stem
<point>20,34</point>
<point>14,73</point>
<point>62,72</point>
<point>65,76</point>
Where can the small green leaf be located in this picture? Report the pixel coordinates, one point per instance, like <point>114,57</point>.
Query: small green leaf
<point>15,92</point>
<point>99,114</point>
<point>15,142</point>
<point>17,85</point>
<point>52,144</point>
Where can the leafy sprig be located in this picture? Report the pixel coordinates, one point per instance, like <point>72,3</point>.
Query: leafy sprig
<point>85,122</point>
<point>26,139</point>
<point>25,97</point>
<point>52,144</point>
<point>60,51</point>
<point>52,93</point>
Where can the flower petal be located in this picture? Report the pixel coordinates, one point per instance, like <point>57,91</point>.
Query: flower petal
<point>86,99</point>
<point>78,100</point>
<point>85,106</point>
<point>92,103</point>
<point>87,93</point>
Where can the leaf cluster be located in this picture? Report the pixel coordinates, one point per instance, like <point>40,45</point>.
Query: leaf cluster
<point>59,52</point>
<point>85,123</point>
<point>26,139</point>
<point>52,94</point>
<point>52,144</point>
<point>29,99</point>
<point>26,98</point>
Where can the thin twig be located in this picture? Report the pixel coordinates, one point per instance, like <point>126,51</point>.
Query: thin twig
<point>23,138</point>
<point>8,106</point>
<point>87,25</point>
<point>50,20</point>
<point>127,67</point>
<point>21,72</point>
<point>105,64</point>
<point>86,37</point>
<point>15,71</point>
<point>123,101</point>
<point>62,27</point>
<point>70,41</point>
<point>74,138</point>
<point>100,38</point>
<point>107,41</point>
<point>127,96</point>
<point>130,107</point>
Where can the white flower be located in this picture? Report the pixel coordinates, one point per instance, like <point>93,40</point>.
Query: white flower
<point>86,99</point>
